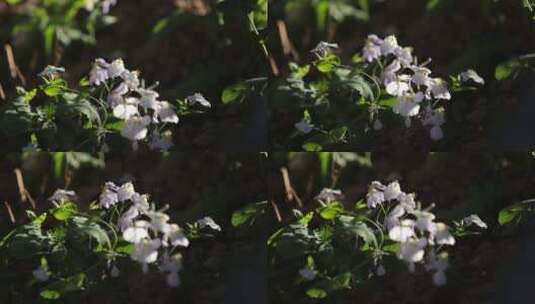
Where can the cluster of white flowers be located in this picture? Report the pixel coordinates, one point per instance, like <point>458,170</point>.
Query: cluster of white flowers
<point>154,238</point>
<point>106,5</point>
<point>415,229</point>
<point>137,106</point>
<point>411,83</point>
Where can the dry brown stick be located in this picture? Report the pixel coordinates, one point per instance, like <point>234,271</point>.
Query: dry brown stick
<point>291,195</point>
<point>287,46</point>
<point>24,194</point>
<point>13,68</point>
<point>274,67</point>
<point>277,211</point>
<point>10,211</point>
<point>2,93</point>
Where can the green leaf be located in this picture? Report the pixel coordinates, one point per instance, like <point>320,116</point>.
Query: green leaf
<point>513,213</point>
<point>247,214</point>
<point>327,63</point>
<point>49,294</point>
<point>330,211</point>
<point>64,212</point>
<point>58,159</point>
<point>312,147</point>
<point>316,293</point>
<point>507,69</point>
<point>365,233</point>
<point>234,93</point>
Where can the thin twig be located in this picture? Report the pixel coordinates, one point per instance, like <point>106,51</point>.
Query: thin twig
<point>277,211</point>
<point>274,67</point>
<point>13,68</point>
<point>24,194</point>
<point>291,195</point>
<point>287,46</point>
<point>2,93</point>
<point>10,211</point>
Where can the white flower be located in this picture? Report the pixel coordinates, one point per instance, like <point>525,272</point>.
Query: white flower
<point>402,232</point>
<point>161,142</point>
<point>116,96</point>
<point>108,198</point>
<point>131,79</point>
<point>41,274</point>
<point>407,201</point>
<point>172,279</point>
<point>399,86</point>
<point>89,5</point>
<point>148,99</point>
<point>171,263</point>
<point>424,221</point>
<point>439,265</point>
<point>146,252</point>
<point>476,220</point>
<point>389,74</point>
<point>107,4</point>
<point>439,89</point>
<point>304,126</point>
<point>198,98</point>
<point>420,76</point>
<point>372,48</point>
<point>380,271</point>
<point>377,125</point>
<point>471,75</point>
<point>135,128</point>
<point>442,235</point>
<point>412,251</point>
<point>307,273</point>
<point>404,55</point>
<point>323,48</point>
<point>51,71</point>
<point>136,233</point>
<point>116,68</point>
<point>436,133</point>
<point>158,221</point>
<point>408,105</point>
<point>375,195</point>
<point>141,202</point>
<point>439,278</point>
<point>208,221</point>
<point>166,113</point>
<point>99,72</point>
<point>176,236</point>
<point>62,195</point>
<point>389,45</point>
<point>115,272</point>
<point>434,118</point>
<point>126,109</point>
<point>328,195</point>
<point>393,217</point>
<point>392,191</point>
<point>126,219</point>
<point>125,192</point>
